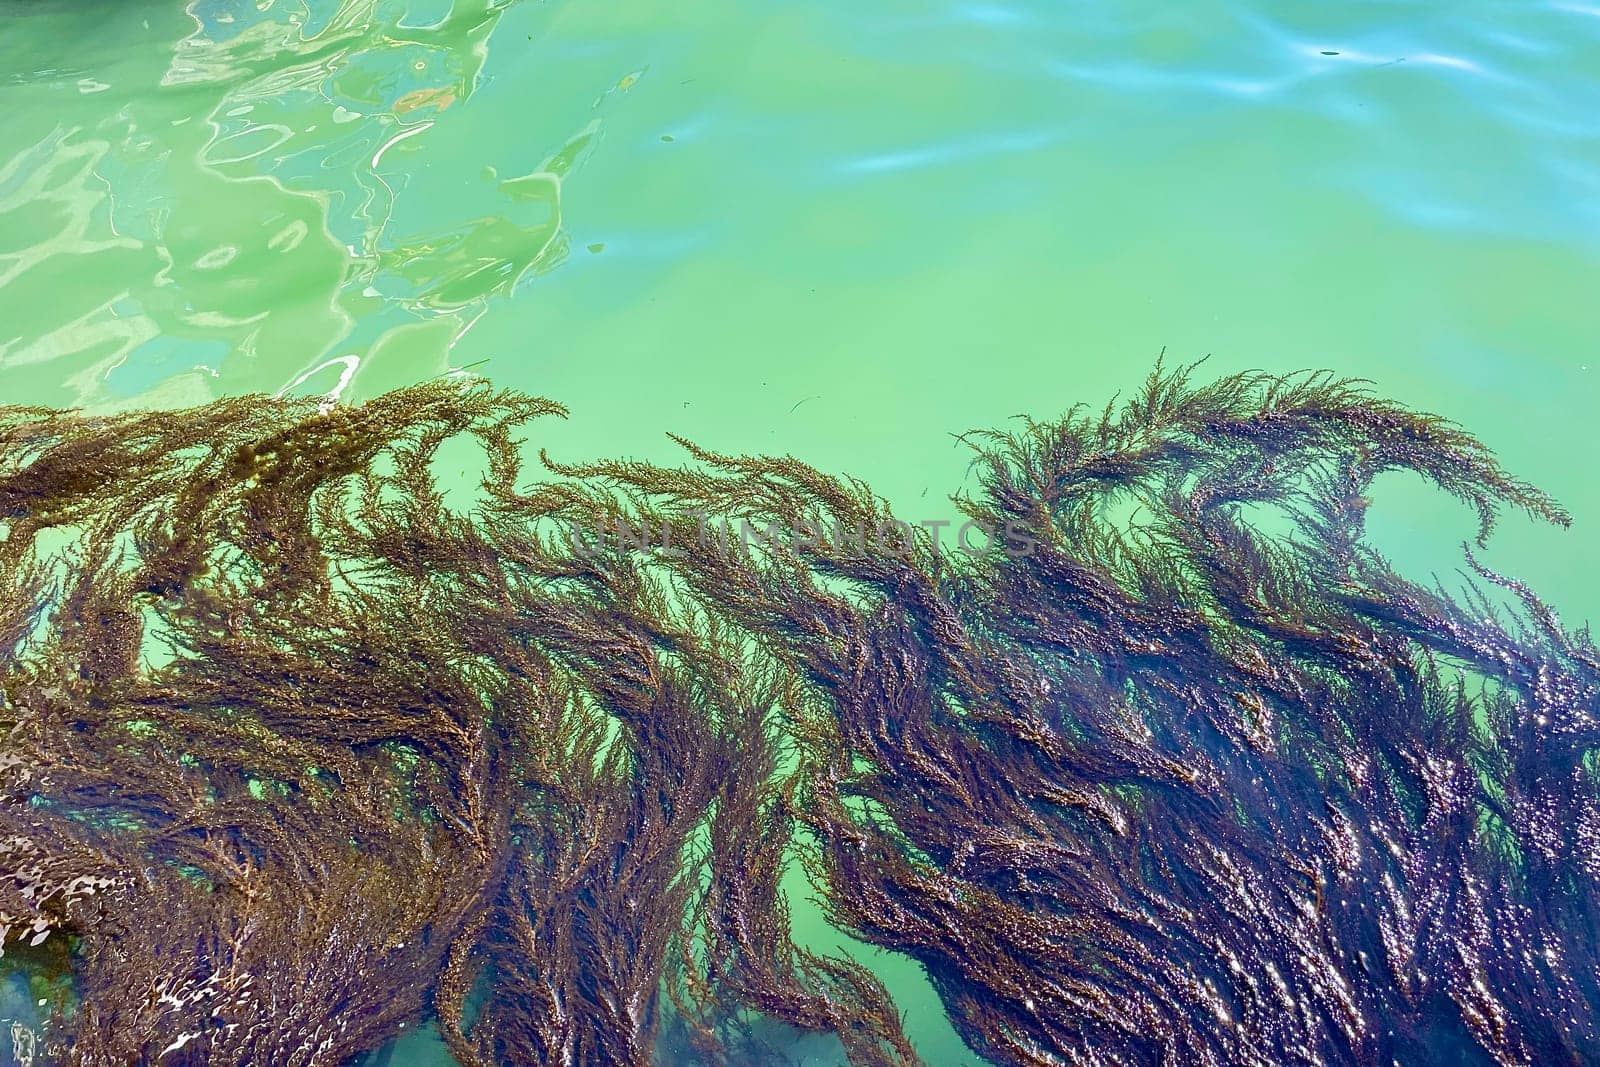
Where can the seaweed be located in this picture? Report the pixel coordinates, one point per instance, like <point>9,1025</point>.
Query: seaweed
<point>299,756</point>
<point>300,753</point>
<point>1146,783</point>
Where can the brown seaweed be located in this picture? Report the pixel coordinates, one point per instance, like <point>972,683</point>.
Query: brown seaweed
<point>300,755</point>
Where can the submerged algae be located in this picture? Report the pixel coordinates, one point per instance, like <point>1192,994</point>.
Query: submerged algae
<point>1169,790</point>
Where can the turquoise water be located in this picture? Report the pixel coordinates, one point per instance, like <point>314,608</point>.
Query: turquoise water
<point>842,230</point>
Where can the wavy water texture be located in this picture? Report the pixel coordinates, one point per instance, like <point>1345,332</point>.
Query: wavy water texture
<point>1145,786</point>
<point>222,197</point>
<point>270,190</point>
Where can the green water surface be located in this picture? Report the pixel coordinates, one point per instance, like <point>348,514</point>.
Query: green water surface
<point>845,229</point>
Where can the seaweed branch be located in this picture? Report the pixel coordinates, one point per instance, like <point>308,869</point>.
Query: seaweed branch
<point>298,754</point>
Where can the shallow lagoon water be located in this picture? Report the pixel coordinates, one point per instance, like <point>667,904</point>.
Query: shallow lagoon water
<point>846,231</point>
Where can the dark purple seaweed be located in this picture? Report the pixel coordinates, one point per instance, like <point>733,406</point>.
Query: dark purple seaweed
<point>1178,771</point>
<point>1169,789</point>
